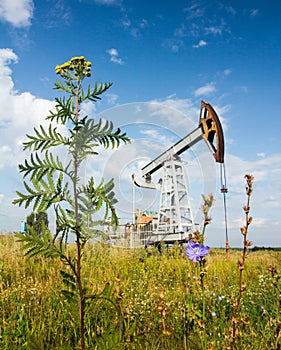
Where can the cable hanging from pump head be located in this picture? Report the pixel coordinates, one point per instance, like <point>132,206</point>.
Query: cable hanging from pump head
<point>224,192</point>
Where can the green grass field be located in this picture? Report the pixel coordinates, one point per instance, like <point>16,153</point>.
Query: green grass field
<point>149,301</point>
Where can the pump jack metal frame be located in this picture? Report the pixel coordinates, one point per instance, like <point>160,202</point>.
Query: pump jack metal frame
<point>175,221</point>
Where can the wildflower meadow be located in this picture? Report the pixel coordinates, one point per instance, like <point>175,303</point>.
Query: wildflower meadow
<point>145,300</point>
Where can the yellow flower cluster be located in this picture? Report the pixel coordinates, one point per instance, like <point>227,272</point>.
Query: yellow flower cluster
<point>77,64</point>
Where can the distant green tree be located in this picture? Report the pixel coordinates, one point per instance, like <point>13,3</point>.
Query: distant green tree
<point>36,220</point>
<point>30,220</point>
<point>51,183</point>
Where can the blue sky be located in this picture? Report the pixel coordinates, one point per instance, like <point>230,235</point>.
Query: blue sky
<point>163,60</point>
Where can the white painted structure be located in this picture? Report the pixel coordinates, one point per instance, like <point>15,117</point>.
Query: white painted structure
<point>175,219</point>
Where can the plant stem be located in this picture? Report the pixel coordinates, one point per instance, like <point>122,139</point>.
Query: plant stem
<point>81,299</point>
<point>241,264</point>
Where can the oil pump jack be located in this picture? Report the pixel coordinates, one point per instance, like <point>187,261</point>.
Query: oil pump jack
<point>175,221</point>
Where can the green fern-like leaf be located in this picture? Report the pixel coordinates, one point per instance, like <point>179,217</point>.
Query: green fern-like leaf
<point>43,140</point>
<point>43,193</point>
<point>92,199</point>
<point>87,136</point>
<point>68,280</point>
<point>34,245</point>
<point>65,223</point>
<point>69,296</point>
<point>65,111</point>
<point>64,87</point>
<point>98,90</point>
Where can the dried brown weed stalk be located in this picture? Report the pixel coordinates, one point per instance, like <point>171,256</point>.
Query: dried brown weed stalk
<point>236,320</point>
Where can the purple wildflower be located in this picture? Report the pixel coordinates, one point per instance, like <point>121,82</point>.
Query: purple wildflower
<point>195,252</point>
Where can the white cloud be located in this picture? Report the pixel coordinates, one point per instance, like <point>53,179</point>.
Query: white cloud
<point>155,136</point>
<point>114,56</point>
<point>112,52</point>
<point>200,44</point>
<point>7,56</point>
<point>180,31</point>
<point>135,28</point>
<point>182,115</point>
<point>227,72</point>
<point>214,30</point>
<point>205,90</point>
<point>17,12</point>
<point>126,22</point>
<point>20,112</point>
<point>175,113</point>
<point>143,23</point>
<point>60,14</point>
<point>5,152</point>
<point>111,98</point>
<point>244,89</point>
<point>231,10</point>
<point>194,11</point>
<point>182,105</point>
<point>173,44</point>
<point>254,12</point>
<point>116,59</point>
<point>107,2</point>
<point>88,108</point>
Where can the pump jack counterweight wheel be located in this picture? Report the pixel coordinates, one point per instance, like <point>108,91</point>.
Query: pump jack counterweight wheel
<point>212,131</point>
